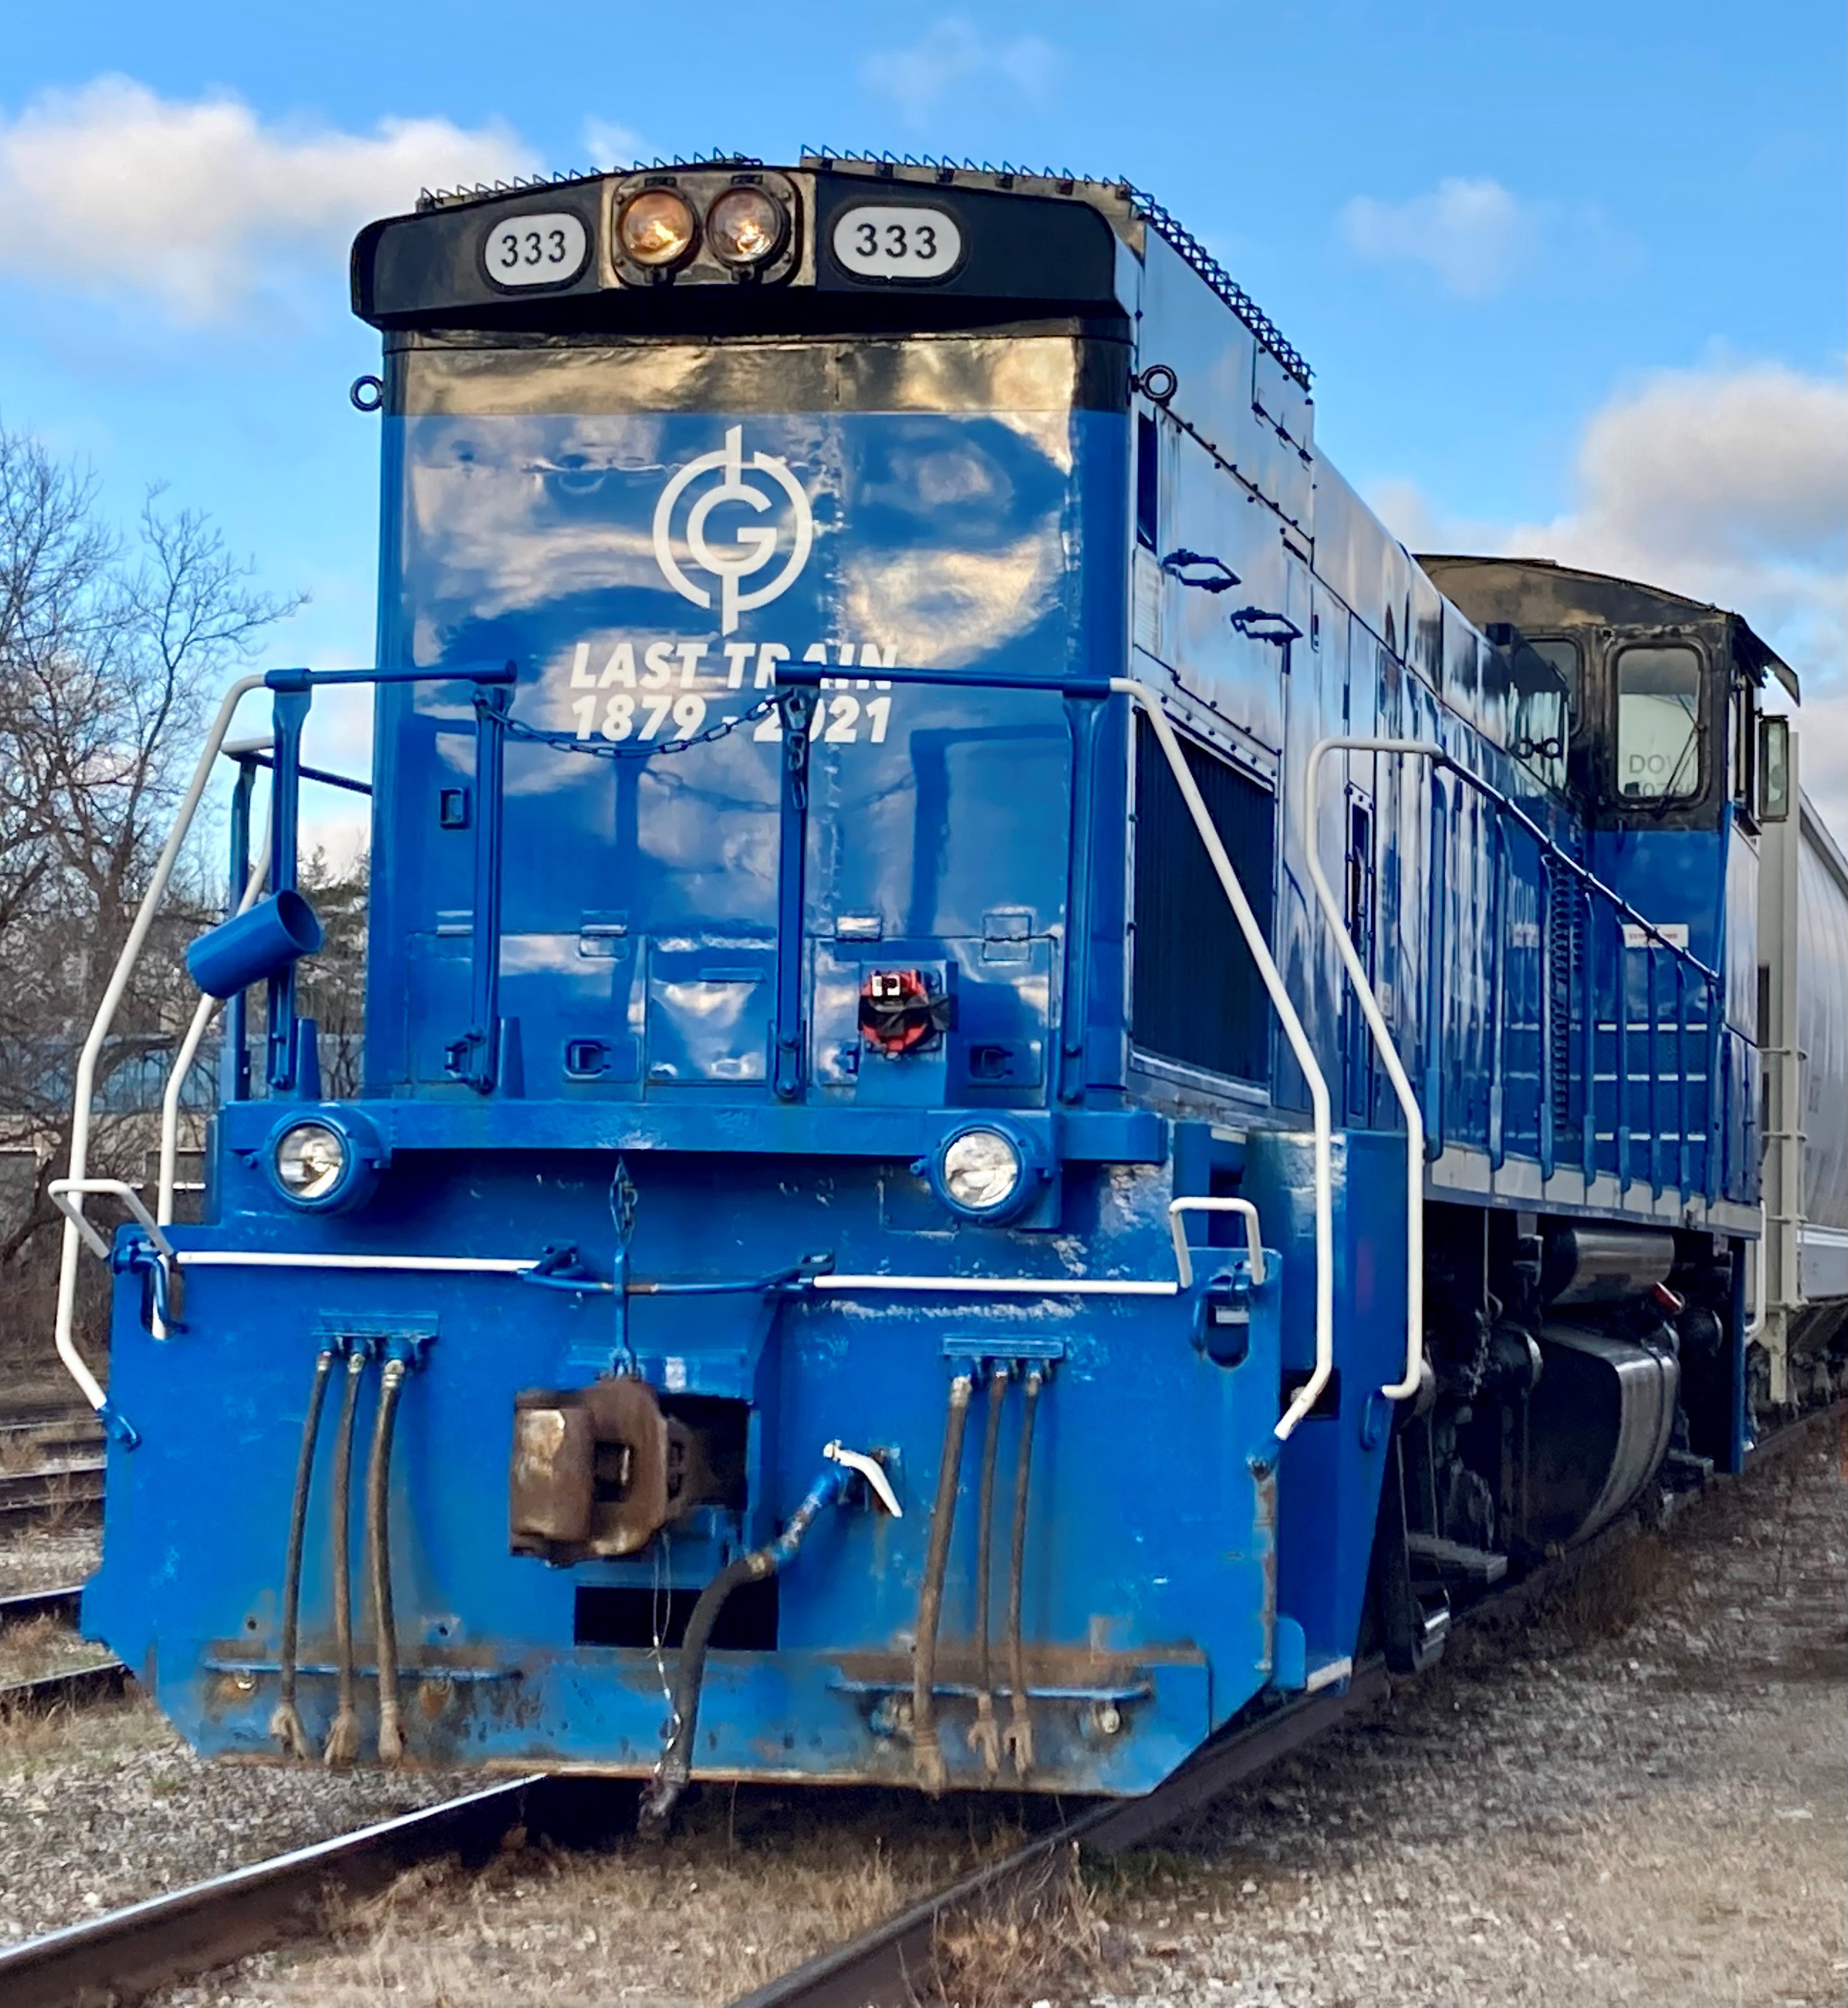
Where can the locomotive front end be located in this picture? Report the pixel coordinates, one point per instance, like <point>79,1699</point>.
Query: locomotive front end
<point>744,1326</point>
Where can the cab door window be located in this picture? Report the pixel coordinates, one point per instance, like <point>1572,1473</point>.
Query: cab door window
<point>1658,724</point>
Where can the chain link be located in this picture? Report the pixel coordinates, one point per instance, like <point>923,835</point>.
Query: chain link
<point>612,749</point>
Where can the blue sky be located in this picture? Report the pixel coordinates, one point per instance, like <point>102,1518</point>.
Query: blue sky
<point>1570,278</point>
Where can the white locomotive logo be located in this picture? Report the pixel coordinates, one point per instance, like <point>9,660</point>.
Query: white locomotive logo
<point>753,547</point>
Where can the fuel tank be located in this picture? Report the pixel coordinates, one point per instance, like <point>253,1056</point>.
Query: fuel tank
<point>1599,1427</point>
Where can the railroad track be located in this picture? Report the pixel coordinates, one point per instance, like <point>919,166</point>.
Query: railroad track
<point>103,1682</point>
<point>73,1486</point>
<point>115,1959</point>
<point>26,1605</point>
<point>69,1687</point>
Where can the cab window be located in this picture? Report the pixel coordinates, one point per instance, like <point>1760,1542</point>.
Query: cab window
<point>1562,657</point>
<point>1658,736</point>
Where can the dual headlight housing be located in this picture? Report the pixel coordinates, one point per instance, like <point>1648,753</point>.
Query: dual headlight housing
<point>744,226</point>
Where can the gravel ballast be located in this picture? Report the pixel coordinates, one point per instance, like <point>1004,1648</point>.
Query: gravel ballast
<point>1640,1798</point>
<point>1634,1796</point>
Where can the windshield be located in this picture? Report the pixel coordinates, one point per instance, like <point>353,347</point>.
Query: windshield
<point>1658,704</point>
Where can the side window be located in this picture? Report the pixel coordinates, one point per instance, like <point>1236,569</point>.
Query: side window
<point>1148,480</point>
<point>1546,686</point>
<point>1562,656</point>
<point>1658,724</point>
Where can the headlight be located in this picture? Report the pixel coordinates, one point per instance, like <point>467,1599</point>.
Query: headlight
<point>980,1171</point>
<point>311,1161</point>
<point>745,226</point>
<point>657,227</point>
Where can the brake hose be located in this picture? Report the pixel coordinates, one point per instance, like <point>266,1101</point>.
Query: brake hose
<point>926,1752</point>
<point>378,1555</point>
<point>985,1736</point>
<point>342,1738</point>
<point>285,1724</point>
<point>1020,1737</point>
<point>663,1790</point>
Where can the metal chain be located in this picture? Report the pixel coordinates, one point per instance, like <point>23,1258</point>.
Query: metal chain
<point>612,749</point>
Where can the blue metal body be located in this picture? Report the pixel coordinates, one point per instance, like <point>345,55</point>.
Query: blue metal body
<point>613,1027</point>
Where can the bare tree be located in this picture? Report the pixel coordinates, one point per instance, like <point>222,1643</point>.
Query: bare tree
<point>111,650</point>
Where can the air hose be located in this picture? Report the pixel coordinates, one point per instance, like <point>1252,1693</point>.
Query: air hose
<point>664,1790</point>
<point>1020,1737</point>
<point>985,1736</point>
<point>926,1753</point>
<point>342,1738</point>
<point>378,1557</point>
<point>285,1724</point>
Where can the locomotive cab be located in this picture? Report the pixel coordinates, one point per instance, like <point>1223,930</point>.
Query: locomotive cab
<point>1668,728</point>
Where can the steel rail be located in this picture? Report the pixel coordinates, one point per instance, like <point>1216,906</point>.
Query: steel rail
<point>21,1606</point>
<point>127,1954</point>
<point>50,1489</point>
<point>101,1680</point>
<point>890,1965</point>
<point>891,1962</point>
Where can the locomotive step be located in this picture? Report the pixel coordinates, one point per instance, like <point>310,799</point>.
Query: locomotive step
<point>1436,1559</point>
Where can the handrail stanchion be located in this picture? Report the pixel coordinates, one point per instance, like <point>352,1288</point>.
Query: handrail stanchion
<point>1651,1047</point>
<point>1681,1075</point>
<point>1498,1003</point>
<point>83,1092</point>
<point>1544,1127</point>
<point>1381,1034</point>
<point>1620,1031</point>
<point>189,1051</point>
<point>1297,1039</point>
<point>1715,1130</point>
<point>1588,1141</point>
<point>291,715</point>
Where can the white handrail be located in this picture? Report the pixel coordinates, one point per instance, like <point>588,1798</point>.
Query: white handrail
<point>1760,1296</point>
<point>84,1092</point>
<point>189,1051</point>
<point>1254,1245</point>
<point>1381,1033</point>
<point>67,1195</point>
<point>1310,1393</point>
<point>64,1193</point>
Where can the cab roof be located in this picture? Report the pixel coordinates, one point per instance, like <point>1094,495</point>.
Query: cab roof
<point>1537,593</point>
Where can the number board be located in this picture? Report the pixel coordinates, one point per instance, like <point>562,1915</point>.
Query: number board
<point>897,240</point>
<point>544,248</point>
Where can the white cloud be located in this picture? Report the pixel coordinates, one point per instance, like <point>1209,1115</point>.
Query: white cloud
<point>609,144</point>
<point>953,51</point>
<point>1727,482</point>
<point>1475,235</point>
<point>195,205</point>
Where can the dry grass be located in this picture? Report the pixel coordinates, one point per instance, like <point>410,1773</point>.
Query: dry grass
<point>29,1737</point>
<point>755,1883</point>
<point>1047,1940</point>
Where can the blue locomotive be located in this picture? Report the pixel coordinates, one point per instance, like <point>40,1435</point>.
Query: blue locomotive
<point>1020,1094</point>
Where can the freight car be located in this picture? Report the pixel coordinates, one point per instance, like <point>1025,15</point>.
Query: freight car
<point>1019,1094</point>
